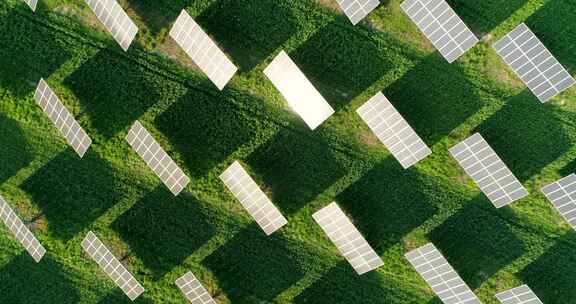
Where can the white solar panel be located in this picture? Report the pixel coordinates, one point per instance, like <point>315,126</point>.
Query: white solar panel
<point>193,289</point>
<point>156,158</point>
<point>440,276</point>
<point>356,10</point>
<point>533,63</point>
<point>62,119</point>
<point>111,266</point>
<point>20,231</point>
<point>202,50</point>
<point>438,21</point>
<point>562,194</point>
<point>298,90</point>
<point>393,131</point>
<point>488,171</point>
<point>32,4</point>
<point>518,295</point>
<point>347,238</point>
<point>252,198</point>
<point>116,21</point>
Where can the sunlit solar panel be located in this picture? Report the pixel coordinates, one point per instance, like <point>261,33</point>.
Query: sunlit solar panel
<point>438,21</point>
<point>533,63</point>
<point>116,21</point>
<point>111,266</point>
<point>62,119</point>
<point>356,10</point>
<point>20,231</point>
<point>156,158</point>
<point>440,276</point>
<point>488,171</point>
<point>562,194</point>
<point>298,90</point>
<point>202,50</point>
<point>518,295</point>
<point>347,239</point>
<point>193,289</point>
<point>252,198</point>
<point>32,4</point>
<point>393,131</point>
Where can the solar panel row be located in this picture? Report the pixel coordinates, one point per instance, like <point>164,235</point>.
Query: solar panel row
<point>518,295</point>
<point>562,194</point>
<point>356,10</point>
<point>193,289</point>
<point>32,4</point>
<point>116,21</point>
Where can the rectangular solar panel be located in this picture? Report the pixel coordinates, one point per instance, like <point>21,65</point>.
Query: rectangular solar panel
<point>32,4</point>
<point>202,50</point>
<point>356,10</point>
<point>533,63</point>
<point>301,95</point>
<point>351,244</point>
<point>440,276</point>
<point>156,158</point>
<point>116,21</point>
<point>488,171</point>
<point>193,289</point>
<point>562,194</point>
<point>252,198</point>
<point>440,24</point>
<point>111,266</point>
<point>393,131</point>
<point>518,295</point>
<point>62,119</point>
<point>20,231</point>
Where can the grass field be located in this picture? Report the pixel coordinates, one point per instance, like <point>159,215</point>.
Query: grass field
<point>204,230</point>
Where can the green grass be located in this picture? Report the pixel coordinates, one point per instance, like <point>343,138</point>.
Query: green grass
<point>204,230</point>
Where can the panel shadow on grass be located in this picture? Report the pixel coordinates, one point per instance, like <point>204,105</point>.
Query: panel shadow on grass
<point>516,134</point>
<point>163,229</point>
<point>158,14</point>
<point>569,168</point>
<point>435,96</point>
<point>23,281</point>
<point>14,150</point>
<point>477,242</point>
<point>249,30</point>
<point>119,297</point>
<point>483,16</point>
<point>387,203</point>
<point>73,192</point>
<point>254,267</point>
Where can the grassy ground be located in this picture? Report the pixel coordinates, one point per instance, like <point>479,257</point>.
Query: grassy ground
<point>113,193</point>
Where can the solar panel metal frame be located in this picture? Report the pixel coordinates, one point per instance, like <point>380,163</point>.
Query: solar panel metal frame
<point>562,194</point>
<point>202,50</point>
<point>519,295</point>
<point>356,10</point>
<point>393,130</point>
<point>156,158</point>
<point>348,240</point>
<point>193,289</point>
<point>442,26</point>
<point>298,91</point>
<point>115,20</point>
<point>440,276</point>
<point>62,118</point>
<point>533,63</point>
<point>111,266</point>
<point>20,231</point>
<point>252,198</point>
<point>488,171</point>
<point>32,4</point>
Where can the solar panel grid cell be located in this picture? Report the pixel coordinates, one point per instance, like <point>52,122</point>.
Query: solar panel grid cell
<point>518,295</point>
<point>356,10</point>
<point>193,289</point>
<point>562,194</point>
<point>116,21</point>
<point>32,4</point>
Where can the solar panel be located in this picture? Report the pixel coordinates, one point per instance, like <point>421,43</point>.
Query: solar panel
<point>518,295</point>
<point>32,4</point>
<point>202,50</point>
<point>116,21</point>
<point>488,171</point>
<point>393,131</point>
<point>533,63</point>
<point>156,158</point>
<point>20,231</point>
<point>347,238</point>
<point>562,194</point>
<point>298,91</point>
<point>356,10</point>
<point>440,276</point>
<point>193,289</point>
<point>62,119</point>
<point>440,24</point>
<point>111,266</point>
<point>252,198</point>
